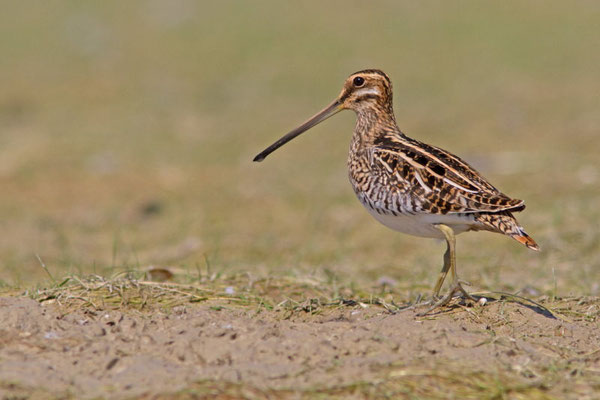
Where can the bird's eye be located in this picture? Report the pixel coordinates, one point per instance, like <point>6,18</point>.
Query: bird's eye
<point>358,81</point>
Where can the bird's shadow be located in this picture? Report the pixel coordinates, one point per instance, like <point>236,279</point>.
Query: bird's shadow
<point>502,297</point>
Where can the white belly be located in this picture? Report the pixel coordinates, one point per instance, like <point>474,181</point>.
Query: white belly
<point>424,224</point>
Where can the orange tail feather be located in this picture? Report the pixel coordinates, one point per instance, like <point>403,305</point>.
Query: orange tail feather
<point>527,240</point>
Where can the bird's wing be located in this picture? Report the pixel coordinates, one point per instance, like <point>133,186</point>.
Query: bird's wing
<point>442,181</point>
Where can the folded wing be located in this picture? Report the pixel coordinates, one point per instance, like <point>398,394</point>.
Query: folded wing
<point>443,182</point>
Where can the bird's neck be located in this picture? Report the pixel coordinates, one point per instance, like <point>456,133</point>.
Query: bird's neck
<point>371,125</point>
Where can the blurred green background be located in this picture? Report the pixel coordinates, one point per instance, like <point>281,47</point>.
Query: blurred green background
<point>127,131</point>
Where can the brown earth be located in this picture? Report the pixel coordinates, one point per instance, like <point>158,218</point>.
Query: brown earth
<point>90,354</point>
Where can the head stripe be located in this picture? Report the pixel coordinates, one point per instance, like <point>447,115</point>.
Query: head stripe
<point>373,71</point>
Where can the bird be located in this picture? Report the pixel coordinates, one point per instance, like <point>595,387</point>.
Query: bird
<point>410,186</point>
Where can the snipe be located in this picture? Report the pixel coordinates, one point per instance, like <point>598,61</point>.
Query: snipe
<point>410,186</point>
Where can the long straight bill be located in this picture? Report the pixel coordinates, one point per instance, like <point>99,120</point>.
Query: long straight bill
<point>321,116</point>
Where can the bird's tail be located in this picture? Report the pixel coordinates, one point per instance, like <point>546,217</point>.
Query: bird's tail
<point>524,238</point>
<point>504,222</point>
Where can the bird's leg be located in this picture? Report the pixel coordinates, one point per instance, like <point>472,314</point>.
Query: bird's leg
<point>449,264</point>
<point>449,259</point>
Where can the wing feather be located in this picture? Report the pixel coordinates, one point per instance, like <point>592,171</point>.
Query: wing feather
<point>455,186</point>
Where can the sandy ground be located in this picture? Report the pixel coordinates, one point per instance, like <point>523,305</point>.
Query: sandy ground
<point>112,354</point>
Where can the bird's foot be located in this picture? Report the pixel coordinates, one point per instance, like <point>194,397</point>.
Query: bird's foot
<point>456,289</point>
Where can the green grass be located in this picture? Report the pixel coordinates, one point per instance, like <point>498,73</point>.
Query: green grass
<point>404,384</point>
<point>128,130</point>
<point>108,113</point>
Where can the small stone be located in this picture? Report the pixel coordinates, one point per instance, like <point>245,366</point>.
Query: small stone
<point>387,281</point>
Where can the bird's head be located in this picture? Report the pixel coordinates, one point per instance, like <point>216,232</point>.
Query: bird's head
<point>366,91</point>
